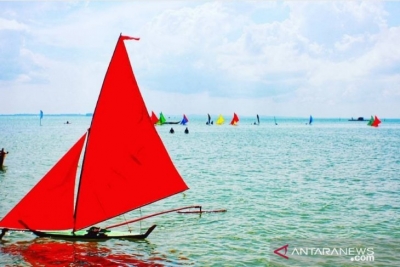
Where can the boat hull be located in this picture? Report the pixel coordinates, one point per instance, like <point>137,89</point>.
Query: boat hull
<point>85,236</point>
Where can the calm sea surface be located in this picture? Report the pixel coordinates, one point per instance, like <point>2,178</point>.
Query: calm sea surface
<point>330,191</point>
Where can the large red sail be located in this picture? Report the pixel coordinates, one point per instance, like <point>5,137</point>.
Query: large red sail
<point>118,172</point>
<point>50,204</point>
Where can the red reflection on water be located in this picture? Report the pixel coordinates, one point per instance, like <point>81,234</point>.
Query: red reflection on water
<point>52,253</point>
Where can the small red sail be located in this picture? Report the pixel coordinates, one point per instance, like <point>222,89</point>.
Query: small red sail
<point>235,119</point>
<point>126,165</point>
<point>376,122</point>
<point>50,204</point>
<point>154,118</point>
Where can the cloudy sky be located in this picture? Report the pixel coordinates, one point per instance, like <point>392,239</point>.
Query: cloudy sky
<point>274,58</point>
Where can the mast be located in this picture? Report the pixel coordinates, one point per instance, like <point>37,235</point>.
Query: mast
<point>87,140</point>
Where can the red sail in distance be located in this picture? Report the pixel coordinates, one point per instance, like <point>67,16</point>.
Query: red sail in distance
<point>50,203</point>
<point>376,122</point>
<point>154,118</point>
<point>118,172</point>
<point>235,119</point>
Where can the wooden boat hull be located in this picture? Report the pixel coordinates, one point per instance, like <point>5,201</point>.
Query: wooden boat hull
<point>84,236</point>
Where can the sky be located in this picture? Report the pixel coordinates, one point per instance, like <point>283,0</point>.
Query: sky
<point>293,58</point>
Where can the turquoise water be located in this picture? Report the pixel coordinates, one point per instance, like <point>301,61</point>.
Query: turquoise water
<point>332,184</point>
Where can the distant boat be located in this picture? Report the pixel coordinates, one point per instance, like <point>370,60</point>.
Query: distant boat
<point>162,120</point>
<point>358,119</point>
<point>184,120</point>
<point>370,121</point>
<point>258,120</point>
<point>209,122</point>
<point>122,181</point>
<point>275,121</point>
<point>154,118</point>
<point>311,120</point>
<point>220,120</point>
<point>234,120</point>
<point>41,117</point>
<point>374,122</point>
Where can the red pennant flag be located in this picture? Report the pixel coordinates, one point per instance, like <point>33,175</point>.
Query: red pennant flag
<point>124,37</point>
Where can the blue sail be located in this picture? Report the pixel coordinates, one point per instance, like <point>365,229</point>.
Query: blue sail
<point>311,120</point>
<point>184,120</point>
<point>41,116</point>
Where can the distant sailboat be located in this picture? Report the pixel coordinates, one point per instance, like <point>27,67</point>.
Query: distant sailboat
<point>162,120</point>
<point>154,118</point>
<point>234,120</point>
<point>108,186</point>
<point>184,120</point>
<point>41,117</point>
<point>370,121</point>
<point>209,120</point>
<point>258,120</point>
<point>374,122</point>
<point>220,120</point>
<point>275,121</point>
<point>311,120</point>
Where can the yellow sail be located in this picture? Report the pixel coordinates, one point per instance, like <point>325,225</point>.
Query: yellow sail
<point>220,120</point>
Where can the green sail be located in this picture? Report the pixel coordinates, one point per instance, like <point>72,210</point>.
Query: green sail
<point>162,119</point>
<point>371,121</point>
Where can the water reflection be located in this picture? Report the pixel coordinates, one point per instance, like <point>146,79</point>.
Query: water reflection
<point>49,253</point>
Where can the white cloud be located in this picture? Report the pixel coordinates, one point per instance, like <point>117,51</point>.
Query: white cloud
<point>6,24</point>
<point>208,55</point>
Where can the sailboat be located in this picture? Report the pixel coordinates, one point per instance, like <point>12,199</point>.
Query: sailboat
<point>209,122</point>
<point>234,120</point>
<point>374,122</point>
<point>258,120</point>
<point>154,118</point>
<point>275,121</point>
<point>220,120</point>
<point>184,120</point>
<point>108,186</point>
<point>40,117</point>
<point>162,120</point>
<point>310,120</point>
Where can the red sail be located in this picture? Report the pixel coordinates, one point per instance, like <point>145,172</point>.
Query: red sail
<point>154,118</point>
<point>376,122</point>
<point>235,119</point>
<point>119,173</point>
<point>50,204</point>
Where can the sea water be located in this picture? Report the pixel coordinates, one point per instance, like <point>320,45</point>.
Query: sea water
<point>330,191</point>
